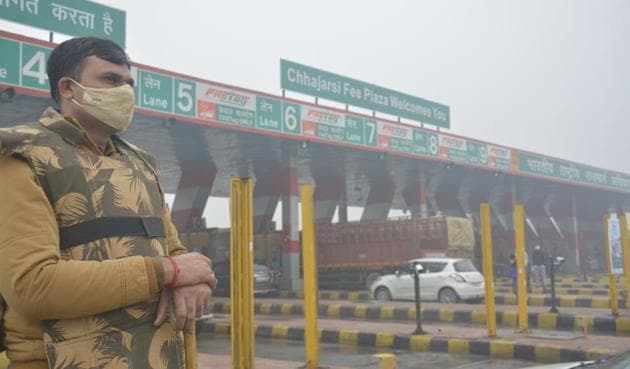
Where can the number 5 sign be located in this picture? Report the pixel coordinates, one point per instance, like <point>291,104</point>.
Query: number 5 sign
<point>185,97</point>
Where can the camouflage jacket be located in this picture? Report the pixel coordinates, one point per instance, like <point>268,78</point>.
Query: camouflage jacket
<point>82,187</point>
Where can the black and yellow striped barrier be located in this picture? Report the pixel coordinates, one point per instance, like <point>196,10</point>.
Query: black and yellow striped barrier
<point>600,280</point>
<point>572,286</point>
<point>547,321</point>
<point>562,291</point>
<point>599,302</point>
<point>478,346</point>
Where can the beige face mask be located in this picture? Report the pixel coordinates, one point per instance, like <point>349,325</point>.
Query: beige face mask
<point>112,106</point>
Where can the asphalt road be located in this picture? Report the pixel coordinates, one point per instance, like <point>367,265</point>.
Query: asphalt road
<point>340,356</point>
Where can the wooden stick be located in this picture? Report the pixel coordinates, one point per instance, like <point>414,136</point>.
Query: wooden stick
<point>190,345</point>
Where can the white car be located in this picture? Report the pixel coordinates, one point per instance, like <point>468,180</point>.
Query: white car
<point>447,280</point>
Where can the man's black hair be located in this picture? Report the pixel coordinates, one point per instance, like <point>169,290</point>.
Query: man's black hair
<point>66,60</point>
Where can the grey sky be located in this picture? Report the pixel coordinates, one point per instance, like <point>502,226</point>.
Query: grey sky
<point>547,76</point>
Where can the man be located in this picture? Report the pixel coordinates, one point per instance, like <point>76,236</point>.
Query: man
<point>539,260</point>
<point>90,262</point>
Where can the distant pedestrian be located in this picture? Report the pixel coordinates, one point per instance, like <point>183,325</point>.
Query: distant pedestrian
<point>538,268</point>
<point>512,273</point>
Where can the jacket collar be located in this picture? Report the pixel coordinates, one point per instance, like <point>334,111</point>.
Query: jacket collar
<point>55,122</point>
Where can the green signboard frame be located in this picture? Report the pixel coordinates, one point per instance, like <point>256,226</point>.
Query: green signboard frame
<point>70,17</point>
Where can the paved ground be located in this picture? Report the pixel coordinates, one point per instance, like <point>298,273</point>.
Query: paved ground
<point>214,353</point>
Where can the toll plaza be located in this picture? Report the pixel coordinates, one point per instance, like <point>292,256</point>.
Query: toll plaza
<point>465,198</point>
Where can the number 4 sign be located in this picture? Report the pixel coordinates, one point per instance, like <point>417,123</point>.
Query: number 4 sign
<point>33,68</point>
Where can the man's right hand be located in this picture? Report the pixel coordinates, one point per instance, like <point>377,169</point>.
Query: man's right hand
<point>194,268</point>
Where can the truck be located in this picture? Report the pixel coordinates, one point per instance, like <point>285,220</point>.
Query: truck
<point>352,255</point>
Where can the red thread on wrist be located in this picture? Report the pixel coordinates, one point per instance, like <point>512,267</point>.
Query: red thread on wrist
<point>175,272</point>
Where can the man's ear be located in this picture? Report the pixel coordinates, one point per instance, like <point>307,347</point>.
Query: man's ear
<point>67,89</point>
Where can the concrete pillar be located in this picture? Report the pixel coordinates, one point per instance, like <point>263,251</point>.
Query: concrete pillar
<point>290,227</point>
<point>343,208</point>
<point>191,197</point>
<point>496,197</point>
<point>266,197</point>
<point>328,192</point>
<point>432,189</point>
<point>197,178</point>
<point>380,199</point>
<point>463,195</point>
<point>575,232</point>
<point>415,196</point>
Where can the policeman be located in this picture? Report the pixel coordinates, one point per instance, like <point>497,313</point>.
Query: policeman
<point>92,273</point>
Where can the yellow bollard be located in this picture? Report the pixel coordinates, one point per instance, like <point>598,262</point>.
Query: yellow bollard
<point>386,361</point>
<point>488,272</point>
<point>612,281</point>
<point>309,262</point>
<point>241,273</point>
<point>521,282</point>
<point>625,246</point>
<point>583,324</point>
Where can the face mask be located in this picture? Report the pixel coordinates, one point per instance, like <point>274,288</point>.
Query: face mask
<point>112,106</point>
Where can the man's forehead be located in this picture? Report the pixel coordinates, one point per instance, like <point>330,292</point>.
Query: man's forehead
<point>95,64</point>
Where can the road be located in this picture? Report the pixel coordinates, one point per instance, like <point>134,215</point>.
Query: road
<point>275,353</point>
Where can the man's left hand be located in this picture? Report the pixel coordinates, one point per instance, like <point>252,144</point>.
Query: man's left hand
<point>188,304</point>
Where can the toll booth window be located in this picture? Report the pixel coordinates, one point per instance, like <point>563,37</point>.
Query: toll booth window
<point>433,267</point>
<point>464,266</point>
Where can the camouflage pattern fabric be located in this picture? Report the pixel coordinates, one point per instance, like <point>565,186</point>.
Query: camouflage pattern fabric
<point>83,186</point>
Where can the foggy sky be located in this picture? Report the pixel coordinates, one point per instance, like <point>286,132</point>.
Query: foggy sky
<point>551,77</point>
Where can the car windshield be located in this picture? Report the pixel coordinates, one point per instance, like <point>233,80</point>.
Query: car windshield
<point>464,266</point>
<point>260,268</point>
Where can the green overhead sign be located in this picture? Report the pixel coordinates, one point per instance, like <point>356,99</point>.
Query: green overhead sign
<point>70,17</point>
<point>316,82</point>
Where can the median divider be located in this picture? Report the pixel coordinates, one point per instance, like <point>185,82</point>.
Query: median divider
<point>563,291</point>
<point>546,321</point>
<point>504,349</point>
<point>506,299</point>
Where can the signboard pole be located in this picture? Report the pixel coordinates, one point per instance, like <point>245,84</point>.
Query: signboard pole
<point>612,280</point>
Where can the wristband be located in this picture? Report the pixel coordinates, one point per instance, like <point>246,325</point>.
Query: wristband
<point>175,272</point>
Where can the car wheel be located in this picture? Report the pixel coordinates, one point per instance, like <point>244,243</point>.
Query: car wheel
<point>447,296</point>
<point>382,294</point>
<point>370,279</point>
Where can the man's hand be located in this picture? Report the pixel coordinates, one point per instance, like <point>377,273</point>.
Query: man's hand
<point>194,268</point>
<point>188,304</point>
